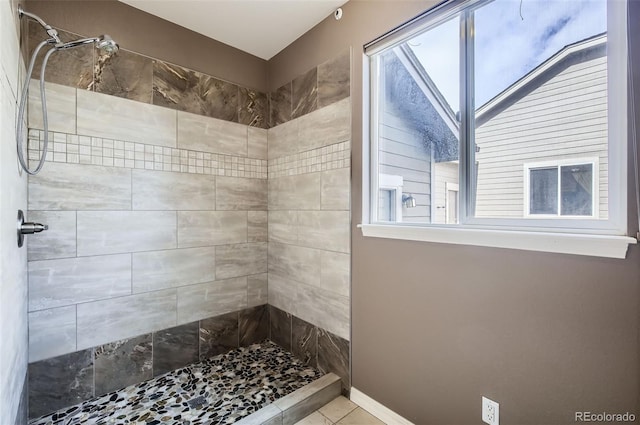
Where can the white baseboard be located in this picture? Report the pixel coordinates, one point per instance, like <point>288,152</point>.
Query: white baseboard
<point>378,410</point>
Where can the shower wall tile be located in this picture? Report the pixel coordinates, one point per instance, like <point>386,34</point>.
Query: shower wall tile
<point>159,190</point>
<point>52,333</point>
<point>72,67</point>
<point>240,260</point>
<point>257,143</point>
<point>175,348</point>
<point>61,107</point>
<point>301,192</point>
<point>59,241</point>
<point>333,356</point>
<point>56,283</point>
<point>257,290</point>
<point>200,133</point>
<point>328,230</point>
<point>283,292</point>
<point>280,105</point>
<point>157,270</point>
<point>257,230</point>
<point>253,108</point>
<point>334,79</point>
<point>253,324</point>
<point>326,126</point>
<point>235,193</point>
<point>208,228</point>
<point>218,335</point>
<point>123,119</point>
<point>204,300</point>
<point>294,262</point>
<point>185,90</point>
<point>125,74</point>
<point>304,93</point>
<point>60,382</point>
<point>283,139</point>
<point>335,272</point>
<point>280,327</point>
<point>71,187</point>
<point>102,322</point>
<point>283,226</point>
<point>123,363</point>
<point>324,309</point>
<point>335,189</point>
<point>112,232</point>
<point>304,341</point>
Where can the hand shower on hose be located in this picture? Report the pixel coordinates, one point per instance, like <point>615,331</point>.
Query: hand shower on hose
<point>103,42</point>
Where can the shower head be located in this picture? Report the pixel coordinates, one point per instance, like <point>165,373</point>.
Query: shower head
<point>104,43</point>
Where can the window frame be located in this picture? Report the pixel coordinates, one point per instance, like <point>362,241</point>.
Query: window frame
<point>615,227</point>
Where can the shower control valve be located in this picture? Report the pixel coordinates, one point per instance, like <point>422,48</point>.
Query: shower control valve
<point>27,228</point>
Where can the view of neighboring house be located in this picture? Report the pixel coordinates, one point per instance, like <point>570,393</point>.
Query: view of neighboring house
<point>541,144</point>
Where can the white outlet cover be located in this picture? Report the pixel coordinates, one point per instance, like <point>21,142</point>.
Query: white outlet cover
<point>490,412</point>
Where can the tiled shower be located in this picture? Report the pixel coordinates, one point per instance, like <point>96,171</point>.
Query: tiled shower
<point>187,216</point>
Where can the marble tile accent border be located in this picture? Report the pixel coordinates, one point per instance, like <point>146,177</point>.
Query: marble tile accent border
<point>330,157</point>
<point>86,150</point>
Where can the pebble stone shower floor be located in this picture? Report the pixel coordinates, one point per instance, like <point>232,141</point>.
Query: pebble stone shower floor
<point>219,390</point>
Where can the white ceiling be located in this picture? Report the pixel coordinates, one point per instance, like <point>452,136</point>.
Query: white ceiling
<point>260,27</point>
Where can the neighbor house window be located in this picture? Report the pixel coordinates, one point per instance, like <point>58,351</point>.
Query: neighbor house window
<point>468,95</point>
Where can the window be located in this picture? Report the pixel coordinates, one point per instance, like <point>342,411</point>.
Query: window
<point>450,109</point>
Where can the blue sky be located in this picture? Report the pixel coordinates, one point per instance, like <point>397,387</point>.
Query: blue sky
<point>507,46</point>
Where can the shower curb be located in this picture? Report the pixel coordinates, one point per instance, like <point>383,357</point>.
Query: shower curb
<point>299,404</point>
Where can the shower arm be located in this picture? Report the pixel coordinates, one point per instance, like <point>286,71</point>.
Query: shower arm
<point>55,39</point>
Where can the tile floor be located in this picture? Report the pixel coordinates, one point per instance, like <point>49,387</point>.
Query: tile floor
<point>340,411</point>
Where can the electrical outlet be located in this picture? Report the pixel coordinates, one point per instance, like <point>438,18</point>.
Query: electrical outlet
<point>490,412</point>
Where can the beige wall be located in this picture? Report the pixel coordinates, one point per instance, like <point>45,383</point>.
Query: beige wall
<point>143,33</point>
<point>435,327</point>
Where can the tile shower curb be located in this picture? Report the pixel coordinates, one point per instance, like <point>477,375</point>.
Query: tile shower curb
<point>299,404</point>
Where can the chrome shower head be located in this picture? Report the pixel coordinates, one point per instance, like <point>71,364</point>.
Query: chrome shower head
<point>106,44</point>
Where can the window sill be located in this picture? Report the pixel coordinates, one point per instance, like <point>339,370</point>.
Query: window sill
<point>565,243</point>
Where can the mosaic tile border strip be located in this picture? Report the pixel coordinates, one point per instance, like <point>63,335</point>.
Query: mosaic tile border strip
<point>87,150</point>
<point>329,157</point>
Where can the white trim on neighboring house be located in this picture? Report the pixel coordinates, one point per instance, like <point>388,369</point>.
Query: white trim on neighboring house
<point>558,163</point>
<point>378,410</point>
<point>393,183</point>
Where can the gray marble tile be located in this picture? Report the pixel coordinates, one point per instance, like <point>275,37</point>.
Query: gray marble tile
<point>156,270</point>
<point>283,227</point>
<point>301,192</point>
<point>237,193</point>
<point>200,301</point>
<point>73,67</point>
<point>123,363</point>
<point>280,105</point>
<point>175,348</point>
<point>257,290</point>
<point>124,74</point>
<point>295,262</point>
<point>101,322</point>
<point>335,272</point>
<point>61,107</point>
<point>308,399</point>
<point>326,126</point>
<point>283,139</point>
<point>66,281</point>
<point>80,187</point>
<point>334,79</point>
<point>200,133</point>
<point>324,309</point>
<point>268,415</point>
<point>240,260</point>
<point>257,230</point>
<point>190,91</point>
<point>253,324</point>
<point>335,189</point>
<point>160,190</point>
<point>52,333</point>
<point>257,143</point>
<point>60,382</point>
<point>283,293</point>
<point>101,115</point>
<point>59,241</point>
<point>208,228</point>
<point>304,341</point>
<point>218,335</point>
<point>112,232</point>
<point>334,356</point>
<point>280,327</point>
<point>22,415</point>
<point>254,108</point>
<point>304,93</point>
<point>329,230</point>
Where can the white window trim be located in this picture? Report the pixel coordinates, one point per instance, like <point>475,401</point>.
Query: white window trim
<point>559,163</point>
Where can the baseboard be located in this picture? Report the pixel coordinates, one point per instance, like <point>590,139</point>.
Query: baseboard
<point>378,410</point>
